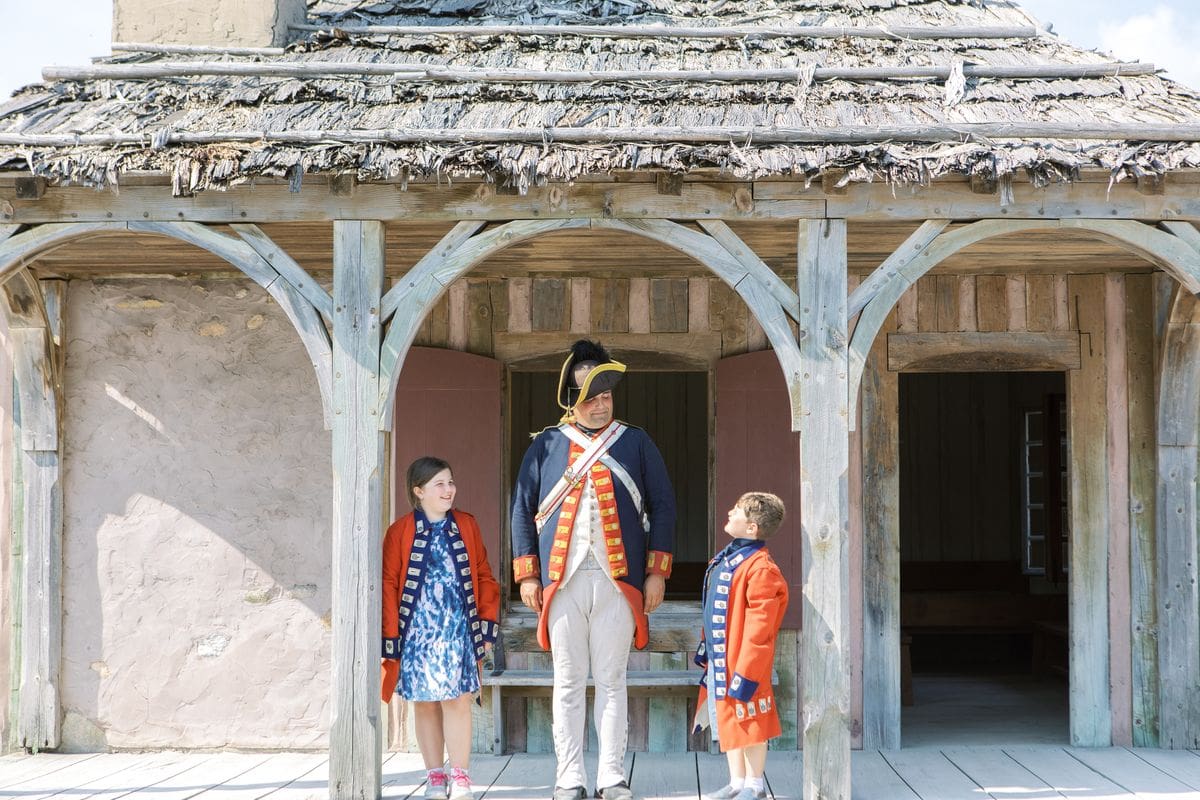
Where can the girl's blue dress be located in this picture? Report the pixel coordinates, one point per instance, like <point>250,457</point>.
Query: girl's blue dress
<point>437,662</point>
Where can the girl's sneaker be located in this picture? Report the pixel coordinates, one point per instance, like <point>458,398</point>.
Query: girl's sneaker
<point>460,785</point>
<point>436,785</point>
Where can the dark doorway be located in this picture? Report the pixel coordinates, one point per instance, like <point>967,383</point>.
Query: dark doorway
<point>670,406</point>
<point>983,543</point>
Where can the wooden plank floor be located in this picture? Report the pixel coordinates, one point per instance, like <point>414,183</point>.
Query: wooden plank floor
<point>926,773</point>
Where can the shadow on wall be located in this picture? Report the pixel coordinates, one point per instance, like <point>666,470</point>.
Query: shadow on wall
<point>197,495</point>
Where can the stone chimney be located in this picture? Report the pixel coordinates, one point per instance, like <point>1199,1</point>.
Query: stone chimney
<point>233,23</point>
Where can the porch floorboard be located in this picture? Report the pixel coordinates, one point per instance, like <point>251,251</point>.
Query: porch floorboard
<point>953,773</point>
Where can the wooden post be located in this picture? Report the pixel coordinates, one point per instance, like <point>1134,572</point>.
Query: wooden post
<point>354,743</point>
<point>824,467</point>
<point>1179,605</point>
<point>38,504</point>
<point>1087,433</point>
<point>881,551</point>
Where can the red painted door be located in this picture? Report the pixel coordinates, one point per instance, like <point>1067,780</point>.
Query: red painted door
<point>756,450</point>
<point>448,405</point>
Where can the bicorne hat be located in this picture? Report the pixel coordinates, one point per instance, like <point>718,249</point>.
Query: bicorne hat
<point>603,373</point>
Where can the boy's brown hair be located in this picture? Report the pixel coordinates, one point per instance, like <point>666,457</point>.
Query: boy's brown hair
<point>765,510</point>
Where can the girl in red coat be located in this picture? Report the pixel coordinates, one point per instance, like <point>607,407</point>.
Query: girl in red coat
<point>440,607</point>
<point>745,596</point>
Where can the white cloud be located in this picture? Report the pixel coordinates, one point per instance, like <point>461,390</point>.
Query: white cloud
<point>1160,36</point>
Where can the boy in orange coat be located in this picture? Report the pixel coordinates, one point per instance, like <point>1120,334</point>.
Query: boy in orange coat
<point>745,596</point>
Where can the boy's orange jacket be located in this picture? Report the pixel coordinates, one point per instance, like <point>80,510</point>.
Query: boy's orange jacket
<point>758,596</point>
<point>397,546</point>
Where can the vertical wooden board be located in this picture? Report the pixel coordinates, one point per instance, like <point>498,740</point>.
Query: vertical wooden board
<point>698,305</point>
<point>539,732</point>
<point>516,710</point>
<point>479,317</point>
<point>1062,315</point>
<point>668,724</point>
<point>581,305</point>
<point>1014,290</point>
<point>639,305</point>
<point>998,775</point>
<point>727,314</point>
<point>638,707</point>
<point>354,764</point>
<point>906,311</point>
<point>991,302</point>
<point>1142,516</point>
<point>657,776</point>
<point>548,304</point>
<point>946,288</point>
<point>787,668</point>
<point>712,770</point>
<point>1117,401</point>
<point>1039,302</point>
<point>784,775</point>
<point>481,722</point>
<point>610,305</point>
<point>1087,434</point>
<point>824,457</point>
<point>967,317</point>
<point>881,552</point>
<point>874,779</point>
<point>927,303</point>
<point>756,337</point>
<point>854,551</point>
<point>456,298</point>
<point>519,313</point>
<point>668,305</point>
<point>498,290</point>
<point>439,322</point>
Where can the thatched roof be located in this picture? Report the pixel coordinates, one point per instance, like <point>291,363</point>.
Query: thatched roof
<point>1026,101</point>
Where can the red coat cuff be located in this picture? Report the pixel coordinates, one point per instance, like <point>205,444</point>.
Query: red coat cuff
<point>658,563</point>
<point>526,567</point>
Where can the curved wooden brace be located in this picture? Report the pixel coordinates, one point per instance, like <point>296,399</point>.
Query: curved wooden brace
<point>286,266</point>
<point>1159,247</point>
<point>913,246</point>
<point>783,294</point>
<point>411,299</point>
<point>16,250</point>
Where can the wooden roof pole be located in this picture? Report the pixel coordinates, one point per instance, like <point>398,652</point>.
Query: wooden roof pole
<point>690,32</point>
<point>355,765</point>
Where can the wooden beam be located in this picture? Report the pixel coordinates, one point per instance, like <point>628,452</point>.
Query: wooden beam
<point>37,416</point>
<point>354,740</point>
<point>1179,593</point>
<point>1087,432</point>
<point>824,464</point>
<point>687,31</point>
<point>753,264</point>
<point>913,246</point>
<point>1117,446</point>
<point>194,49</point>
<point>287,267</point>
<point>997,351</point>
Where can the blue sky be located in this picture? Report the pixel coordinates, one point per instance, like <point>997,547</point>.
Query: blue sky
<point>67,32</point>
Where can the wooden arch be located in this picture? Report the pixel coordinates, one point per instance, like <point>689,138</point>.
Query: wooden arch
<point>929,246</point>
<point>719,249</point>
<point>254,254</point>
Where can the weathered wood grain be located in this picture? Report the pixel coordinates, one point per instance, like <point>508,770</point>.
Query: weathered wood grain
<point>1117,446</point>
<point>548,303</point>
<point>610,305</point>
<point>991,304</point>
<point>639,305</point>
<point>668,722</point>
<point>355,729</point>
<point>1139,324</point>
<point>824,431</point>
<point>1014,287</point>
<point>1087,433</point>
<point>581,305</point>
<point>981,352</point>
<point>669,305</point>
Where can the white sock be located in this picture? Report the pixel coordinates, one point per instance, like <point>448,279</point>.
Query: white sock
<point>755,784</point>
<point>737,783</point>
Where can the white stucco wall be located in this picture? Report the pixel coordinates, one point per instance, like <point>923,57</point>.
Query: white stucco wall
<point>197,516</point>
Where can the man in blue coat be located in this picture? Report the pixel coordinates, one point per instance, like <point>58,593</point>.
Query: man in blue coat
<point>593,522</point>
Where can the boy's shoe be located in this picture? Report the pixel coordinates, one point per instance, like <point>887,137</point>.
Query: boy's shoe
<point>437,786</point>
<point>570,793</point>
<point>726,792</point>
<point>749,794</point>
<point>618,791</point>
